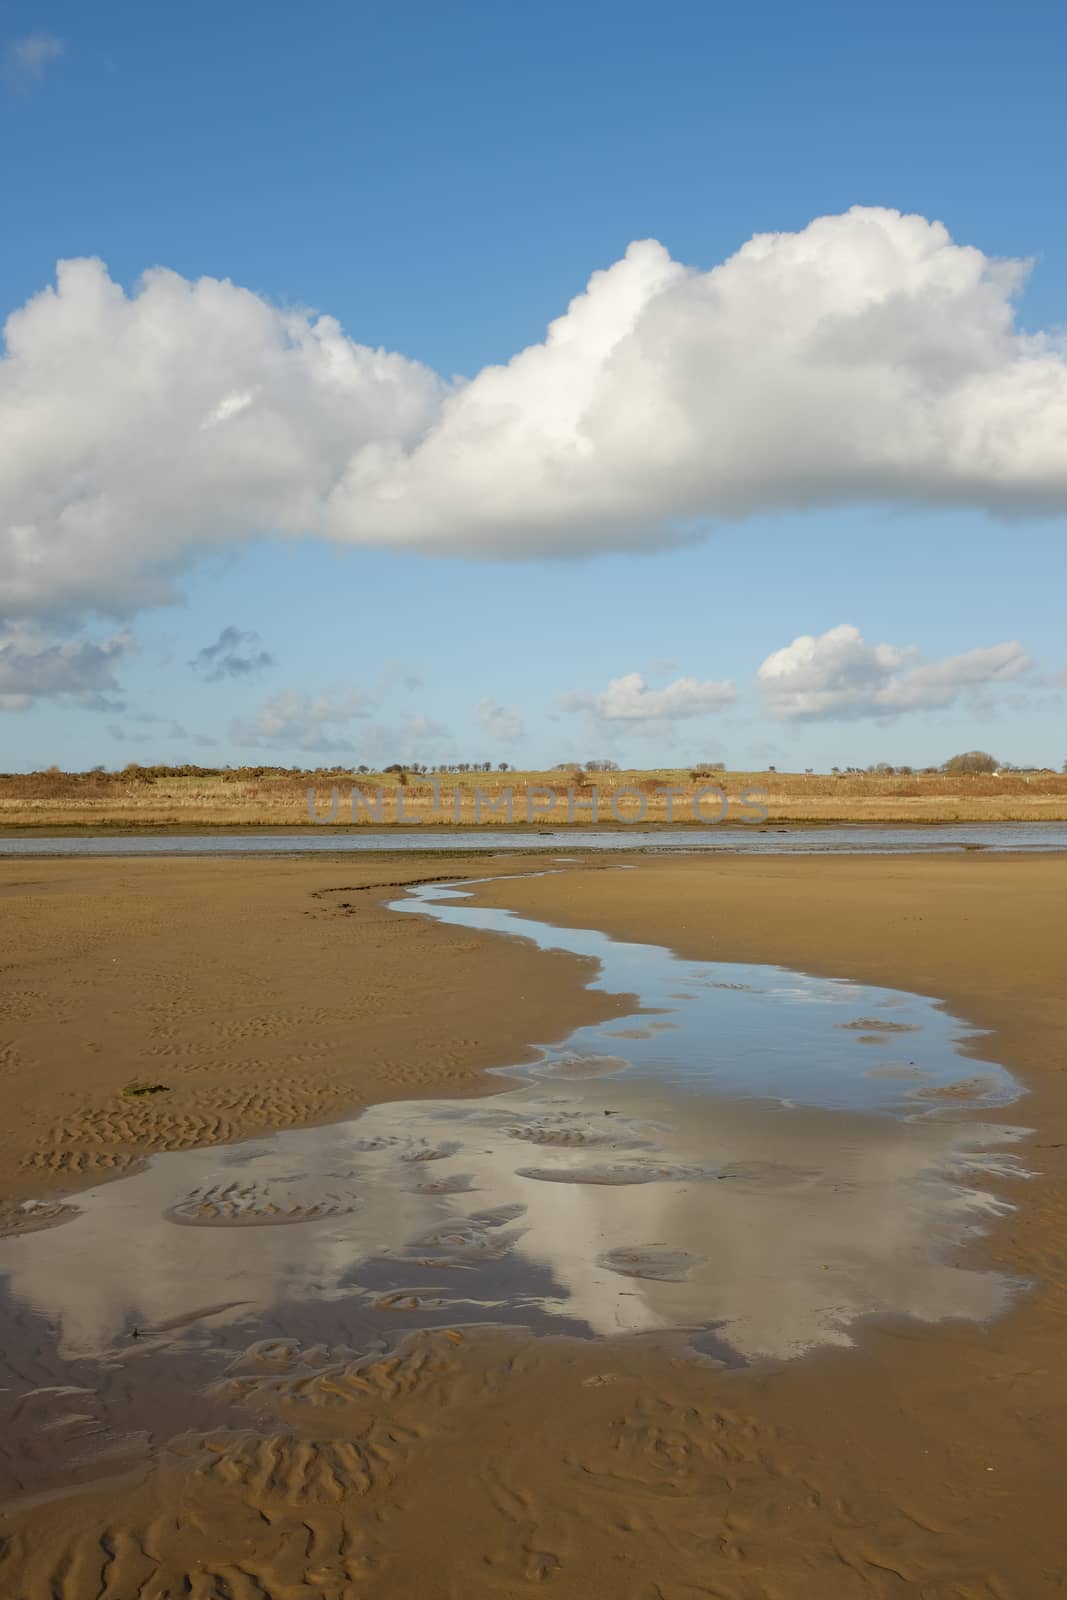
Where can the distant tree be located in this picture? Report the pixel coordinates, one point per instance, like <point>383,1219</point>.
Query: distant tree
<point>970,761</point>
<point>502,766</point>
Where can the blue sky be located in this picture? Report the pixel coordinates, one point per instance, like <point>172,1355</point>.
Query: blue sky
<point>443,182</point>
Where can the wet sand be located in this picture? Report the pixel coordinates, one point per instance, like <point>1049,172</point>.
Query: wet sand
<point>259,995</point>
<point>925,1460</point>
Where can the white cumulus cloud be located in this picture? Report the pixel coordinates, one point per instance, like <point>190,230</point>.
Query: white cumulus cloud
<point>142,430</point>
<point>839,675</point>
<point>629,699</point>
<point>867,357</point>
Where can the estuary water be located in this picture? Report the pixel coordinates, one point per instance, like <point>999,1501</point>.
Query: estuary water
<point>835,839</point>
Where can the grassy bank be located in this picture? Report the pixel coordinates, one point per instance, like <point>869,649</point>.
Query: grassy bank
<point>162,799</point>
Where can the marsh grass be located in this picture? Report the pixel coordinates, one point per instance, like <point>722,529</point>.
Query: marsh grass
<point>271,797</point>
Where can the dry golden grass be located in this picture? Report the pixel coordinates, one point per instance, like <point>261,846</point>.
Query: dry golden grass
<point>261,797</point>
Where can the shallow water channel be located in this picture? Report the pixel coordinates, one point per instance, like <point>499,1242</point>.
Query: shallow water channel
<point>754,1160</point>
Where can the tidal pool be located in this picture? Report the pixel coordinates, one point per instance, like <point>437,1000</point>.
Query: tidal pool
<point>753,1160</point>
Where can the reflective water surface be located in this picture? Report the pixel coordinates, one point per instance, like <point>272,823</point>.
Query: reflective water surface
<point>851,838</point>
<point>753,1159</point>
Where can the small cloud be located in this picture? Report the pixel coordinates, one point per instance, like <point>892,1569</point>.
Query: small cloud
<point>397,675</point>
<point>79,672</point>
<point>421,726</point>
<point>122,735</point>
<point>179,735</point>
<point>233,655</point>
<point>630,700</point>
<point>27,60</point>
<point>414,738</point>
<point>838,675</point>
<point>295,720</point>
<point>175,732</point>
<point>497,721</point>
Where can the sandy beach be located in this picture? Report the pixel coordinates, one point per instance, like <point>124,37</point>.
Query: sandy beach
<point>257,996</point>
<point>260,995</point>
<point>533,804</point>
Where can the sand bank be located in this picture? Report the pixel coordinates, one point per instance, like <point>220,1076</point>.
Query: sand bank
<point>257,995</point>
<point>925,1461</point>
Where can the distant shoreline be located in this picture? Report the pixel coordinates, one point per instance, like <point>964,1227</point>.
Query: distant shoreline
<point>145,802</point>
<point>125,829</point>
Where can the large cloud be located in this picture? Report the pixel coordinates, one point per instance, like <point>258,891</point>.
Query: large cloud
<point>867,357</point>
<point>141,431</point>
<point>838,675</point>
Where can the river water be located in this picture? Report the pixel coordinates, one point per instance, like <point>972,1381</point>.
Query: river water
<point>857,839</point>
